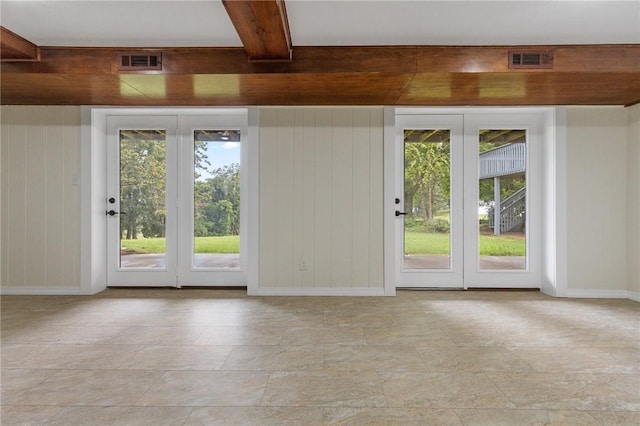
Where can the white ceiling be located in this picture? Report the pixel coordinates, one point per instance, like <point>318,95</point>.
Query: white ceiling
<point>331,23</point>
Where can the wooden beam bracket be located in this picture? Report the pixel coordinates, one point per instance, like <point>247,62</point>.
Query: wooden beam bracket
<point>263,28</point>
<point>14,48</point>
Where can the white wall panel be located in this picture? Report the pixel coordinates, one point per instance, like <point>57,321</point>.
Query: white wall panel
<point>321,169</point>
<point>40,220</point>
<point>633,202</point>
<point>596,198</point>
<point>376,193</point>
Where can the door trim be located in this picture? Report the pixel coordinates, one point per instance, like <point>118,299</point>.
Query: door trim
<point>93,234</point>
<point>546,122</point>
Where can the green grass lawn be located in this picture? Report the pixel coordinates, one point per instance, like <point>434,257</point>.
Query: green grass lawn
<point>225,244</point>
<point>417,242</point>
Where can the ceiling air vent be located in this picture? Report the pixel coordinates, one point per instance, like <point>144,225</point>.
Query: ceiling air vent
<point>140,61</point>
<point>529,59</point>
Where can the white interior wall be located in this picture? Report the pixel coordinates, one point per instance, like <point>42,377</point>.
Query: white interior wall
<point>633,203</point>
<point>321,183</point>
<point>596,201</point>
<point>39,159</point>
<point>40,199</point>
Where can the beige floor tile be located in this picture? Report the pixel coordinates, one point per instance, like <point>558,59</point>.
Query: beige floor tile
<point>275,358</point>
<point>554,391</point>
<point>443,390</point>
<point>158,336</point>
<point>216,318</point>
<point>304,336</point>
<point>472,359</point>
<point>28,415</point>
<point>294,318</point>
<point>358,319</point>
<point>67,356</point>
<point>252,416</point>
<point>241,336</point>
<point>158,356</point>
<point>89,387</point>
<point>389,416</point>
<point>206,388</point>
<point>178,358</point>
<point>40,334</point>
<point>581,360</point>
<point>324,388</point>
<point>492,417</point>
<point>14,381</point>
<point>372,358</point>
<point>129,416</point>
<point>407,336</point>
<point>595,418</point>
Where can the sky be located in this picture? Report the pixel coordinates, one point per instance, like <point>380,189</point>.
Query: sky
<point>221,154</point>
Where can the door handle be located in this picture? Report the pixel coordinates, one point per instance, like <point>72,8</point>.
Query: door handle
<point>398,213</point>
<point>113,213</point>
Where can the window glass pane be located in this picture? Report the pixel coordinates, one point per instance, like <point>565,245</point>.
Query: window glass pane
<point>427,183</point>
<point>216,220</point>
<point>502,202</point>
<point>143,172</point>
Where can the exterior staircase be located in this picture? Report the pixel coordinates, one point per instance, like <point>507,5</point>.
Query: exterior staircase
<point>506,160</point>
<point>512,212</point>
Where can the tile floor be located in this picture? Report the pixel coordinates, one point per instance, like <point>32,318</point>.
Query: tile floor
<point>190,357</point>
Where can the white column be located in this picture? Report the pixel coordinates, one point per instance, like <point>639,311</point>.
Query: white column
<point>496,206</point>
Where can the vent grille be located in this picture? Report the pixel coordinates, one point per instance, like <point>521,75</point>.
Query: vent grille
<point>140,61</point>
<point>529,59</point>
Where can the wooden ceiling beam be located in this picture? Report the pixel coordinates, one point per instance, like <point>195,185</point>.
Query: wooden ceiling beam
<point>263,28</point>
<point>16,48</point>
<point>358,75</point>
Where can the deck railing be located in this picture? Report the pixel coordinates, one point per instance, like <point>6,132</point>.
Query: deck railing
<point>504,160</point>
<point>512,211</point>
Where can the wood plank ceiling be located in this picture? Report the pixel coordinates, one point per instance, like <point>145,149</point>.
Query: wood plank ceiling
<point>269,71</point>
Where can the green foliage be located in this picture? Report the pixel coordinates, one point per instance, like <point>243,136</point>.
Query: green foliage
<point>438,224</point>
<point>142,184</point>
<point>414,222</point>
<point>426,178</point>
<point>143,189</point>
<point>217,203</point>
<point>508,186</point>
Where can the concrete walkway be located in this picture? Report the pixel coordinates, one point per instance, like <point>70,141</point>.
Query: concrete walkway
<point>443,262</point>
<point>202,260</point>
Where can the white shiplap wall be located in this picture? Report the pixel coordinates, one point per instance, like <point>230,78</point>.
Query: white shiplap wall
<point>596,201</point>
<point>633,202</point>
<point>321,188</point>
<point>40,150</point>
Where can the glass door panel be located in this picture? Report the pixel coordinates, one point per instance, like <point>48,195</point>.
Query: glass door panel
<point>428,210</point>
<point>502,203</point>
<point>427,184</point>
<point>141,203</point>
<point>143,177</point>
<point>213,198</point>
<point>216,203</point>
<point>502,198</point>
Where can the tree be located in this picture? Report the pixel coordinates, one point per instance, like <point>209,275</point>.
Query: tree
<point>142,184</point>
<point>217,203</point>
<point>427,177</point>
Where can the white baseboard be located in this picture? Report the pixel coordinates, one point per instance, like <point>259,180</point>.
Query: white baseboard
<point>43,291</point>
<point>603,294</point>
<point>275,291</point>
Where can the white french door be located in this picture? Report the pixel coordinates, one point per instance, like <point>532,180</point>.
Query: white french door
<point>467,201</point>
<point>175,208</point>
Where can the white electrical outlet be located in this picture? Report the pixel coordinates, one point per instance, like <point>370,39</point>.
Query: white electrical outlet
<point>303,265</point>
